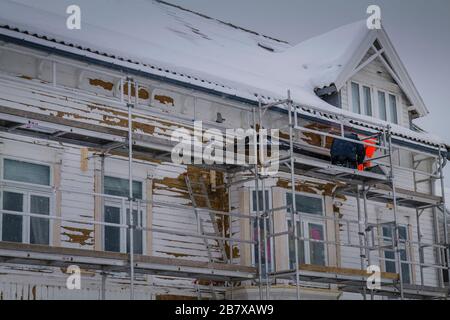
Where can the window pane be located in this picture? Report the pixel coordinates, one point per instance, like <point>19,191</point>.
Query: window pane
<point>120,187</point>
<point>262,248</point>
<point>39,228</point>
<point>389,254</point>
<point>112,234</point>
<point>367,101</point>
<point>260,199</point>
<point>393,108</point>
<point>356,98</point>
<point>26,172</point>
<point>402,233</point>
<point>12,224</point>
<point>137,234</point>
<point>317,249</point>
<point>305,204</point>
<point>390,265</point>
<point>300,246</point>
<point>405,267</point>
<point>382,105</point>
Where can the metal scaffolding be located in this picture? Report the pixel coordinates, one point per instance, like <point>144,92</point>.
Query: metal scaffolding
<point>379,187</point>
<point>364,186</point>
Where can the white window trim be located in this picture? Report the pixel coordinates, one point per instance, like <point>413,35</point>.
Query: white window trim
<point>271,242</point>
<point>305,220</point>
<point>26,184</point>
<point>407,251</point>
<point>111,202</point>
<point>26,219</point>
<point>361,86</point>
<point>374,99</point>
<point>388,110</point>
<point>27,189</point>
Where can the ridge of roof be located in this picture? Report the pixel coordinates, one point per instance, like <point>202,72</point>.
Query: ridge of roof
<point>222,21</point>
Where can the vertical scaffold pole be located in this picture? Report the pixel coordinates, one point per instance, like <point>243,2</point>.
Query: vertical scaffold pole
<point>263,195</point>
<point>130,189</point>
<point>257,250</point>
<point>361,237</point>
<point>394,208</point>
<point>444,210</point>
<point>366,225</point>
<point>294,207</point>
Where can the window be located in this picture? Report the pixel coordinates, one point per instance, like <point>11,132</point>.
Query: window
<point>117,239</point>
<point>262,248</point>
<point>382,105</point>
<point>387,107</point>
<point>22,194</point>
<point>361,99</point>
<point>393,108</point>
<point>310,230</point>
<point>26,172</point>
<point>390,264</point>
<point>356,101</point>
<point>367,101</point>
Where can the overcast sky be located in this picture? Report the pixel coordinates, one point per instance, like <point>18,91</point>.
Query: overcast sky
<point>419,29</point>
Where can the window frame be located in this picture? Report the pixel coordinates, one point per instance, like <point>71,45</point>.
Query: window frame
<point>114,201</point>
<point>387,95</point>
<point>305,219</point>
<point>271,241</point>
<point>388,240</point>
<point>27,190</point>
<point>26,219</point>
<point>362,106</point>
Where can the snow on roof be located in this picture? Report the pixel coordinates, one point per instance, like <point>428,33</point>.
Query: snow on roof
<point>176,43</point>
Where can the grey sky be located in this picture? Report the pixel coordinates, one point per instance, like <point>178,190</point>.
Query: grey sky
<point>419,29</point>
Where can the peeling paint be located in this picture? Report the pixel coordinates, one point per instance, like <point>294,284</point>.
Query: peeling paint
<point>101,83</point>
<point>143,93</point>
<point>84,236</point>
<point>164,99</point>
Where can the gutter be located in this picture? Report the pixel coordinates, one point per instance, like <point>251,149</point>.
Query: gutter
<point>144,74</point>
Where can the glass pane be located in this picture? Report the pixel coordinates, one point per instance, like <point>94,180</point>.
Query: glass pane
<point>120,187</point>
<point>262,248</point>
<point>393,108</point>
<point>405,267</point>
<point>260,199</point>
<point>137,234</point>
<point>112,234</point>
<point>26,172</point>
<point>367,101</point>
<point>390,265</point>
<point>317,249</point>
<point>387,233</point>
<point>382,105</point>
<point>12,224</point>
<point>356,98</point>
<point>39,228</point>
<point>402,233</point>
<point>305,204</point>
<point>300,246</point>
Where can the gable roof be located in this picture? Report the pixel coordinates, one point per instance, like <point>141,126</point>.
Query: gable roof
<point>179,44</point>
<point>389,57</point>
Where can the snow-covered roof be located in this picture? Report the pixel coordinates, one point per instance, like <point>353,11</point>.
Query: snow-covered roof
<point>176,43</point>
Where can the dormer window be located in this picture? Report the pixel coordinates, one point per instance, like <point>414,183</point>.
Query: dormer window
<point>361,99</point>
<point>387,107</point>
<point>371,101</point>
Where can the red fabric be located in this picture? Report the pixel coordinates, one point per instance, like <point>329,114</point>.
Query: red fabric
<point>370,152</point>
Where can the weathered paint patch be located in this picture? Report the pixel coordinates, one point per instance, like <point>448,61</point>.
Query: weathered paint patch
<point>143,93</point>
<point>81,236</point>
<point>101,83</point>
<point>165,99</point>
